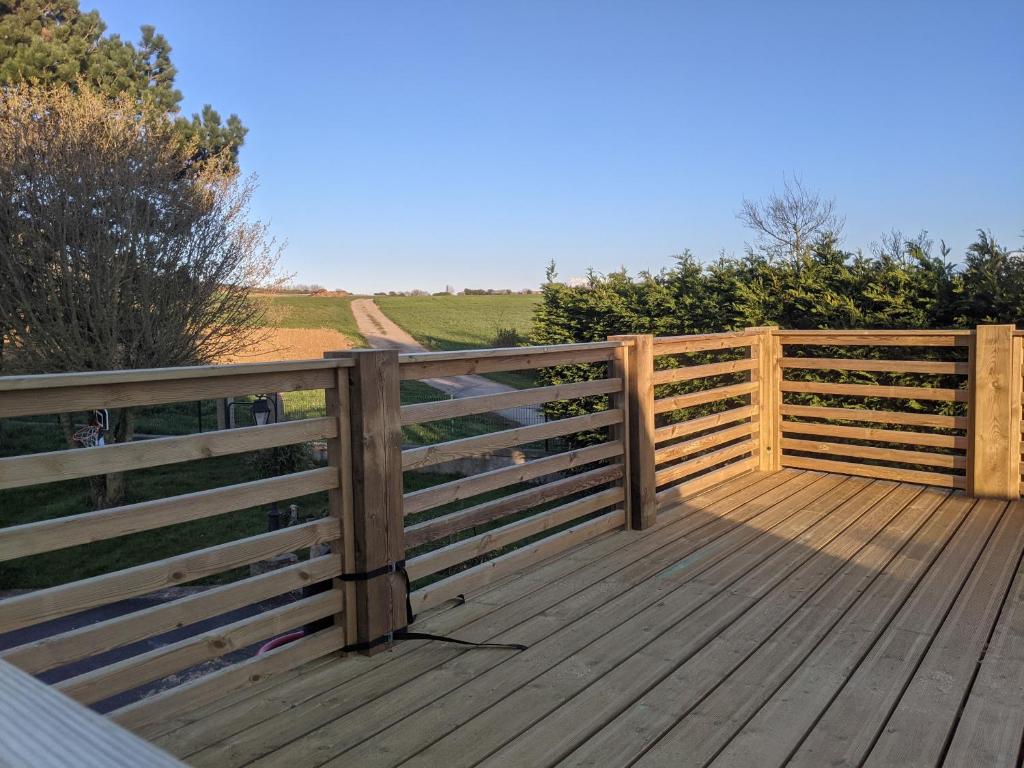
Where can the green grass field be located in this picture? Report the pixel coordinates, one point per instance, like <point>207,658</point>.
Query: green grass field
<point>333,312</point>
<point>459,322</point>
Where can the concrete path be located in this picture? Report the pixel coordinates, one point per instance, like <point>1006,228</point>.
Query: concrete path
<point>381,332</point>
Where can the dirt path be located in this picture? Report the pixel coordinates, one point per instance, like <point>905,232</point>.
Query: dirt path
<point>381,332</point>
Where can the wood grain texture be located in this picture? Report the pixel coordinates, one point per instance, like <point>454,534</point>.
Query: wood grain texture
<point>666,404</point>
<point>19,471</point>
<point>935,420</point>
<point>481,544</point>
<point>691,372</point>
<point>377,511</point>
<point>467,487</point>
<point>429,455</point>
<point>481,575</point>
<point>995,382</point>
<point>210,687</point>
<point>908,437</point>
<point>54,602</point>
<point>934,367</point>
<point>99,684</point>
<point>480,514</point>
<point>420,413</point>
<point>73,530</point>
<point>876,390</point>
<point>63,392</point>
<point>639,440</point>
<point>870,470</point>
<point>99,637</point>
<point>432,365</point>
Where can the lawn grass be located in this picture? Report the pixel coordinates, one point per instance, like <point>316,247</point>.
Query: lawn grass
<point>450,323</point>
<point>334,312</point>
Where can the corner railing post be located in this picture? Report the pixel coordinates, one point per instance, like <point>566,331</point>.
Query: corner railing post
<point>639,380</point>
<point>767,398</point>
<point>378,592</point>
<point>994,413</point>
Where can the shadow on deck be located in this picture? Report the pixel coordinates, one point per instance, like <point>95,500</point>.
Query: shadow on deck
<point>795,618</point>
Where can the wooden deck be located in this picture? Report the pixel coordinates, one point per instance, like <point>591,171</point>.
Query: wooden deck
<point>796,618</point>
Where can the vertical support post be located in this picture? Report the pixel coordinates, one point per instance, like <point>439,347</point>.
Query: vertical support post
<point>339,499</point>
<point>640,436</point>
<point>994,416</point>
<point>378,534</point>
<point>767,351</point>
<point>618,368</point>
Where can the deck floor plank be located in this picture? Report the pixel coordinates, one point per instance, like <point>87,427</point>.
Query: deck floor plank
<point>989,733</point>
<point>780,720</point>
<point>710,599</point>
<point>849,727</point>
<point>795,618</point>
<point>920,726</point>
<point>602,607</point>
<point>634,560</point>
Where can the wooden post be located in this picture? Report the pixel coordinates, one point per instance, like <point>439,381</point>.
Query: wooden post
<point>768,396</point>
<point>642,507</point>
<point>339,500</point>
<point>618,368</point>
<point>377,520</point>
<point>994,416</point>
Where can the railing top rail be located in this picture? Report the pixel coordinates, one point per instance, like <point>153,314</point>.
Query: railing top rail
<point>464,354</point>
<point>911,332</point>
<point>699,337</point>
<point>146,375</point>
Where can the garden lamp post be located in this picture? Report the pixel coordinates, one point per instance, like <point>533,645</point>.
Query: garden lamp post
<point>264,411</point>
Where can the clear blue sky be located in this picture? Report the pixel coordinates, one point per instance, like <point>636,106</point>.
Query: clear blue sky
<point>415,144</point>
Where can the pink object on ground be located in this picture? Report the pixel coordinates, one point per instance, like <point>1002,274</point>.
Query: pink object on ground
<point>279,641</point>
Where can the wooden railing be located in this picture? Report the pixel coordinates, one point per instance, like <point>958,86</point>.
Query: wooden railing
<point>33,395</point>
<point>654,421</point>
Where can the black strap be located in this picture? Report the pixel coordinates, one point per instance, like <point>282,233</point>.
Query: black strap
<point>405,634</point>
<point>382,571</point>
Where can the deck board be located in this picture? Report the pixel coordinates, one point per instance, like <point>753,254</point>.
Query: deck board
<point>794,618</point>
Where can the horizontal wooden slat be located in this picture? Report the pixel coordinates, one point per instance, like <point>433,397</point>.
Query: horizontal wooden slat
<point>665,404</point>
<point>54,602</point>
<point>213,686</point>
<point>876,366</point>
<point>29,401</point>
<point>677,493</point>
<point>428,455</point>
<point>481,575</point>
<point>446,525</point>
<point>56,650</point>
<point>876,390</point>
<point>681,345</point>
<point>945,460</point>
<point>877,338</point>
<point>684,428</point>
<point>677,471</point>
<point>432,365</point>
<point>475,546</point>
<point>18,471</point>
<point>870,470</point>
<point>691,372</point>
<point>873,433</point>
<point>936,420</point>
<point>445,493</point>
<point>70,531</point>
<point>104,682</point>
<point>702,443</point>
<point>420,413</point>
<point>41,728</point>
